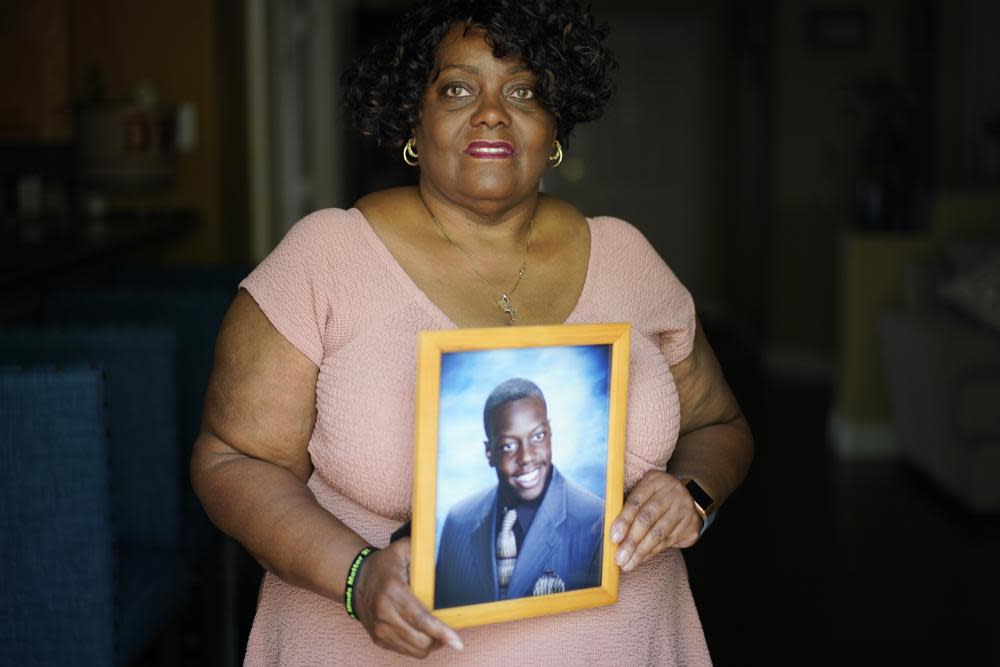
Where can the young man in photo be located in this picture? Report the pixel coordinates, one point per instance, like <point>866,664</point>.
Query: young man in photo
<point>533,533</point>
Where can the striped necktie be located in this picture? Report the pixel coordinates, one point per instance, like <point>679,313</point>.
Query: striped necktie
<point>506,549</point>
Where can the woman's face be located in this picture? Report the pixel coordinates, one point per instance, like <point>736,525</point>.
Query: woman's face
<point>483,136</point>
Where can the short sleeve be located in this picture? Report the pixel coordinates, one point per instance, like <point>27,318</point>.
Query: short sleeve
<point>663,304</point>
<point>291,285</point>
<point>676,318</point>
<point>677,341</point>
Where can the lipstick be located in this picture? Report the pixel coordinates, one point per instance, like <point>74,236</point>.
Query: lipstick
<point>490,150</point>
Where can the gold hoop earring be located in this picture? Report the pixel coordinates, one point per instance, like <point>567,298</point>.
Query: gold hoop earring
<point>556,158</point>
<point>410,156</point>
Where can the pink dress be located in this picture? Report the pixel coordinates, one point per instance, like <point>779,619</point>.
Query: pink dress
<point>337,294</point>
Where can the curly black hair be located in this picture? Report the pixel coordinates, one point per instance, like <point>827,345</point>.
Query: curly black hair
<point>560,42</point>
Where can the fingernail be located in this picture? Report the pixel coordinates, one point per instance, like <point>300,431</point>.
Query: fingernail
<point>616,534</point>
<point>621,557</point>
<point>629,565</point>
<point>456,643</point>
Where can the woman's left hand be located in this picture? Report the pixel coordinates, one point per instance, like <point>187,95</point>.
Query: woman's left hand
<point>659,513</point>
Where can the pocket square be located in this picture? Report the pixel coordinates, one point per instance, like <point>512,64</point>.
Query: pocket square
<point>549,582</point>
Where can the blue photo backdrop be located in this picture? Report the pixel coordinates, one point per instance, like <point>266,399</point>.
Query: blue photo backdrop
<point>576,383</point>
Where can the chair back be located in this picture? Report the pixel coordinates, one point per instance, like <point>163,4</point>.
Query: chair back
<point>56,599</point>
<point>195,316</point>
<point>139,363</point>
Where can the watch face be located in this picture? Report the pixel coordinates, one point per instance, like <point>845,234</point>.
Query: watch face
<point>703,499</point>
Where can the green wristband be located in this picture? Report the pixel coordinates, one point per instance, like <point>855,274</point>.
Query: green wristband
<point>352,577</point>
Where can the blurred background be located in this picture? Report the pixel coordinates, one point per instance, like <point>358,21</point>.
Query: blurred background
<point>824,175</point>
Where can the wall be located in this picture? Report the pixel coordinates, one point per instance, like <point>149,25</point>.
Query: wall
<point>174,45</point>
<point>34,80</point>
<point>969,82</point>
<point>654,158</point>
<point>811,183</point>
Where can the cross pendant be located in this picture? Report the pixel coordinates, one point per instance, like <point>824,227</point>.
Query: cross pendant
<point>506,306</point>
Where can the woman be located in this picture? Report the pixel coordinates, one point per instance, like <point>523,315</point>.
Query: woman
<point>305,452</point>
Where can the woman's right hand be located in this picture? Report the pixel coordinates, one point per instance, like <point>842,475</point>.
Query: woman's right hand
<point>394,618</point>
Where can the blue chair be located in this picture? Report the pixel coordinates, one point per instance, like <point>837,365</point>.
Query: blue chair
<point>56,592</point>
<point>140,365</point>
<point>195,316</point>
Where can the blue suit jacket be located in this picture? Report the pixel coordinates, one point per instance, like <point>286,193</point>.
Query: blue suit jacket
<point>565,537</point>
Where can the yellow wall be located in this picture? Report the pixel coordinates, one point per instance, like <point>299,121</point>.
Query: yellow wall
<point>34,79</point>
<point>872,274</point>
<point>872,267</point>
<point>174,46</point>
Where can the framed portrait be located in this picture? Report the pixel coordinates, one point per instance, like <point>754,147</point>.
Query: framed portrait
<point>518,470</point>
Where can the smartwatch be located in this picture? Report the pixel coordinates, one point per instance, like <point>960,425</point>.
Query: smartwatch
<point>702,501</point>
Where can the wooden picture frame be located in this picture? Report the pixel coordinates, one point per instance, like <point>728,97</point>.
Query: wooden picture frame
<point>582,373</point>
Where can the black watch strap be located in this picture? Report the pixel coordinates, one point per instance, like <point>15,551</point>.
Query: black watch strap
<point>702,501</point>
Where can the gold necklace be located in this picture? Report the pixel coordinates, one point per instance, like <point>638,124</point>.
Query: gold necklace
<point>503,303</point>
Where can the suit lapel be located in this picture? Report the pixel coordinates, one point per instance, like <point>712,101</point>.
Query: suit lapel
<point>482,545</point>
<point>541,539</point>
